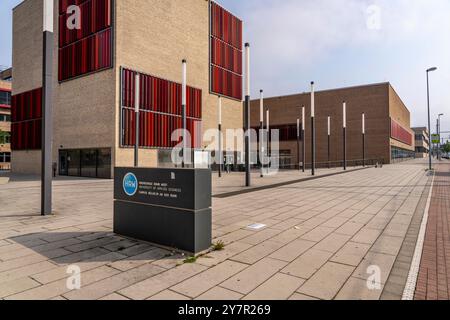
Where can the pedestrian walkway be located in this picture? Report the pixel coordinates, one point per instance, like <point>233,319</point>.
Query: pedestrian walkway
<point>337,237</point>
<point>433,282</point>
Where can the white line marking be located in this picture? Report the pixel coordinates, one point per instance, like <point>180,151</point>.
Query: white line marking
<point>410,288</point>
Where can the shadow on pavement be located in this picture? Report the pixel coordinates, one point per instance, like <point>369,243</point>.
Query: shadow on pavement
<point>78,247</point>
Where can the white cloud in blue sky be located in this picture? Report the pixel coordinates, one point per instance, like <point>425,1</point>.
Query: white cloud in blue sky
<point>329,41</point>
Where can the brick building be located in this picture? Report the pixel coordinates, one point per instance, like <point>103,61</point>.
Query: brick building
<point>422,142</point>
<point>388,131</point>
<point>5,124</point>
<point>93,82</point>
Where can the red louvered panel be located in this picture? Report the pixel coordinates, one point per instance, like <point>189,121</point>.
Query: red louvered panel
<point>88,49</point>
<point>226,53</point>
<point>398,132</point>
<point>160,106</point>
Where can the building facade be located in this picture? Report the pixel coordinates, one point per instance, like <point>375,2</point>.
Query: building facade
<point>422,142</point>
<point>5,125</point>
<point>388,136</point>
<point>95,68</point>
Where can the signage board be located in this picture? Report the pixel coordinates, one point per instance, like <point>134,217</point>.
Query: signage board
<point>435,138</point>
<point>169,207</point>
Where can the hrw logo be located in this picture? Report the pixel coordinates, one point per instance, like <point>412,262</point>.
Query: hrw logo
<point>130,184</point>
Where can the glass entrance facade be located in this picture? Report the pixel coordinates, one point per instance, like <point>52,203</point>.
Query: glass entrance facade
<point>89,163</point>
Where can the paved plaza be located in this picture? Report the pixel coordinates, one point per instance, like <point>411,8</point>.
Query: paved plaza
<point>323,239</point>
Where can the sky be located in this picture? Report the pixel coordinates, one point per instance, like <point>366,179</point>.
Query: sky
<point>338,43</point>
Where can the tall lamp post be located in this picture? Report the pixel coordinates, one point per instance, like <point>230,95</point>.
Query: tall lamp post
<point>298,144</point>
<point>439,133</point>
<point>344,126</point>
<point>313,132</point>
<point>47,76</point>
<point>183,108</point>
<point>247,115</point>
<point>220,137</point>
<point>303,140</point>
<point>429,117</point>
<point>261,132</point>
<point>136,113</point>
<point>364,139</point>
<point>268,138</point>
<point>329,135</point>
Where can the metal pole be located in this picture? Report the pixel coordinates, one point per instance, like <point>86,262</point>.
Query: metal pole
<point>430,156</point>
<point>364,139</point>
<point>329,134</point>
<point>303,140</point>
<point>298,144</point>
<point>220,137</point>
<point>183,109</point>
<point>344,122</point>
<point>136,112</point>
<point>313,133</point>
<point>247,116</point>
<point>268,139</point>
<point>47,103</point>
<point>261,128</point>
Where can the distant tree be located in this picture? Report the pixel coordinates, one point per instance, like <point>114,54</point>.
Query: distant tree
<point>3,135</point>
<point>446,147</point>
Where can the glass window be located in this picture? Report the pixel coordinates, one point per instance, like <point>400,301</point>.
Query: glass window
<point>5,98</point>
<point>104,164</point>
<point>5,157</point>
<point>89,163</point>
<point>73,163</point>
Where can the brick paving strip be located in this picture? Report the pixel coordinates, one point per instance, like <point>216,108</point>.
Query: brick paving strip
<point>433,282</point>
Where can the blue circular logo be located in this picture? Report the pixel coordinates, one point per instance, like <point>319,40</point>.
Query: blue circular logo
<point>130,184</point>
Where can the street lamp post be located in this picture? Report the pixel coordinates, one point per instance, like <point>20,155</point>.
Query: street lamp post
<point>220,137</point>
<point>183,108</point>
<point>298,144</point>
<point>303,140</point>
<point>313,133</point>
<point>364,139</point>
<point>344,126</point>
<point>429,117</point>
<point>261,132</point>
<point>268,138</point>
<point>136,113</point>
<point>47,126</point>
<point>247,115</point>
<point>329,135</point>
<point>439,134</point>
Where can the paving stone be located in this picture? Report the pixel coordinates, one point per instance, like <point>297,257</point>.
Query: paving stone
<point>301,297</point>
<point>357,289</point>
<point>367,236</point>
<point>58,288</point>
<point>168,295</point>
<point>16,286</point>
<point>307,264</point>
<point>279,287</point>
<point>327,282</point>
<point>318,234</point>
<point>216,257</point>
<point>219,293</point>
<point>143,258</point>
<point>351,254</point>
<point>292,250</point>
<point>206,280</point>
<point>25,271</point>
<point>249,279</point>
<point>388,245</point>
<point>332,243</point>
<point>160,282</point>
<point>258,252</point>
<point>114,297</point>
<point>107,286</point>
<point>383,261</point>
<point>89,264</point>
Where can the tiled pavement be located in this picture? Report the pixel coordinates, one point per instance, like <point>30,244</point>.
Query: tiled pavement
<point>433,282</point>
<point>320,240</point>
